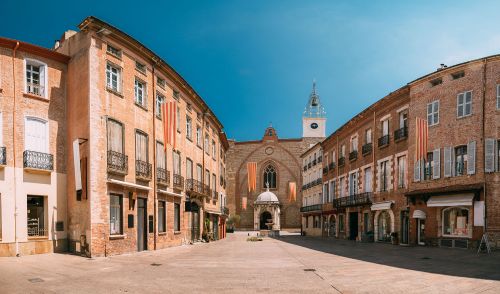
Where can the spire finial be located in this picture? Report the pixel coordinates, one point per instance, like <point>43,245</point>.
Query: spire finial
<point>314,86</point>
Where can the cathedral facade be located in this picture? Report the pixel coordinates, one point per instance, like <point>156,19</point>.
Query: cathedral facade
<point>278,170</point>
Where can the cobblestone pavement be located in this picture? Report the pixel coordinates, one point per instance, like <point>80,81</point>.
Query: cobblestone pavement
<point>289,264</point>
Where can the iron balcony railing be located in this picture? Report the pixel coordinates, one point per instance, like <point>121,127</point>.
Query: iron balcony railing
<point>367,148</point>
<point>353,200</point>
<point>117,162</point>
<point>320,159</point>
<point>325,170</point>
<point>3,156</point>
<point>383,141</point>
<point>193,185</point>
<point>309,165</point>
<point>225,210</point>
<point>401,134</point>
<point>353,155</point>
<point>178,182</point>
<point>35,89</point>
<point>314,162</point>
<point>143,170</point>
<point>341,161</point>
<point>331,166</point>
<point>163,176</point>
<point>38,160</point>
<point>310,208</point>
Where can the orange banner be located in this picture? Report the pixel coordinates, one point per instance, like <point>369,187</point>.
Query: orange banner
<point>292,191</point>
<point>244,203</point>
<point>252,176</point>
<point>169,113</point>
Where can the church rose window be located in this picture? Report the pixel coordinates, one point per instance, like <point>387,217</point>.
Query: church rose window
<point>270,177</point>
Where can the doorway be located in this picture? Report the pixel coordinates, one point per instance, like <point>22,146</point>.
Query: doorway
<point>265,217</point>
<point>333,228</point>
<point>405,227</point>
<point>142,224</point>
<point>353,225</point>
<point>420,231</point>
<point>195,214</point>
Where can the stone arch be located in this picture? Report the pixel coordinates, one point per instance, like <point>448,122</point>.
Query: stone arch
<point>375,222</point>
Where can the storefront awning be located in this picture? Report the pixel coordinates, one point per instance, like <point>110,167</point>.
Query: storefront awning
<point>169,193</point>
<point>451,200</point>
<point>128,184</point>
<point>419,214</point>
<point>382,205</point>
<point>213,212</point>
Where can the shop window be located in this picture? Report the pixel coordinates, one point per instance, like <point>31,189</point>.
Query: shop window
<point>177,217</point>
<point>162,216</point>
<point>456,222</point>
<point>115,215</point>
<point>384,227</point>
<point>36,216</point>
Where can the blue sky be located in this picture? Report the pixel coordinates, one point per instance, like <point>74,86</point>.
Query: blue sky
<point>254,61</point>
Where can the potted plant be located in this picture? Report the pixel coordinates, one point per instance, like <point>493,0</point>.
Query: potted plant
<point>394,238</point>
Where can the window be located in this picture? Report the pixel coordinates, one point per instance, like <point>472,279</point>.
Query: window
<point>140,93</point>
<point>198,136</point>
<point>206,145</point>
<point>270,177</point>
<point>36,135</point>
<point>36,216</point>
<point>113,77</point>
<point>325,193</point>
<point>177,163</point>
<point>214,186</point>
<point>436,82</point>
<point>114,51</point>
<point>161,160</point>
<point>403,119</point>
<point>115,215</point>
<point>385,127</point>
<point>331,194</point>
<point>401,171</point>
<point>458,75</point>
<point>178,119</point>
<point>384,227</point>
<point>353,183</point>
<point>141,146</point>
<point>189,168</point>
<point>368,180</point>
<point>464,104</point>
<point>341,187</point>
<point>199,172</point>
<point>342,151</point>
<point>140,67</point>
<point>177,217</point>
<point>115,136</point>
<point>460,160</point>
<point>429,164</point>
<point>207,178</point>
<point>433,113</point>
<point>36,80</point>
<point>161,82</point>
<point>189,128</point>
<point>189,107</point>
<point>384,176</point>
<point>214,150</point>
<point>456,222</point>
<point>354,144</point>
<point>160,99</point>
<point>498,96</point>
<point>162,216</point>
<point>341,222</point>
<point>368,136</point>
<point>176,95</point>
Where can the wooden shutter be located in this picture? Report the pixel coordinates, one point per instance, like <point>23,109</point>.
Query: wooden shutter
<point>489,155</point>
<point>416,171</point>
<point>453,163</point>
<point>447,162</point>
<point>436,170</point>
<point>471,158</point>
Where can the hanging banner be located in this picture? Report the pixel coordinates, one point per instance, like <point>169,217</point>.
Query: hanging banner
<point>76,162</point>
<point>252,176</point>
<point>244,203</point>
<point>292,191</point>
<point>169,117</point>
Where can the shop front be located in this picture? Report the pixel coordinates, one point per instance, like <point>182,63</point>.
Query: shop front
<point>383,221</point>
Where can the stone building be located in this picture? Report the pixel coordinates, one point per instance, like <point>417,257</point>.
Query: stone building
<point>312,193</point>
<point>278,164</point>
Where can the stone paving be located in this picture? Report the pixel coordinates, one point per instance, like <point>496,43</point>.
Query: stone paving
<point>289,264</point>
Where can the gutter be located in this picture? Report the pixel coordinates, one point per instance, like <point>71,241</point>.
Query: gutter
<point>14,142</point>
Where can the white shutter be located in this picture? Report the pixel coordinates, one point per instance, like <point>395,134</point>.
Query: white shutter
<point>447,162</point>
<point>471,158</point>
<point>453,163</point>
<point>489,155</point>
<point>416,171</point>
<point>436,170</point>
<point>35,135</point>
<point>43,89</point>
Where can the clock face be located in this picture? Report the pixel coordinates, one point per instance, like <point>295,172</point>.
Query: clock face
<point>314,126</point>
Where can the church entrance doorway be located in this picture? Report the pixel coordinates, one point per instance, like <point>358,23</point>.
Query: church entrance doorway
<point>265,217</point>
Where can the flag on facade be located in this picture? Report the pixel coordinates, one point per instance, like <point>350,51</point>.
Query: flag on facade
<point>169,116</point>
<point>252,176</point>
<point>244,203</point>
<point>421,139</point>
<point>292,191</point>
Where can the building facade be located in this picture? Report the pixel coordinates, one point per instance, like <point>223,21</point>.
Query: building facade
<point>312,190</point>
<point>104,169</point>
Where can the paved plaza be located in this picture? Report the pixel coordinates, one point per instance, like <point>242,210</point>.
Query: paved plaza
<point>289,264</point>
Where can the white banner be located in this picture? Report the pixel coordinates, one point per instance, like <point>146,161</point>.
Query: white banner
<point>76,161</point>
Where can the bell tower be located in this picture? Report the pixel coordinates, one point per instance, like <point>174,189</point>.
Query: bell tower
<point>314,117</point>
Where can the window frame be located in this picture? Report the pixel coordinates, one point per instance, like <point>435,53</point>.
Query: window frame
<point>162,220</point>
<point>270,168</point>
<point>117,54</point>
<point>144,91</point>
<point>120,206</point>
<point>47,132</point>
<point>43,71</point>
<point>107,133</point>
<point>177,217</point>
<point>159,100</point>
<point>433,112</point>
<point>119,79</point>
<point>468,224</point>
<point>464,104</point>
<point>189,128</point>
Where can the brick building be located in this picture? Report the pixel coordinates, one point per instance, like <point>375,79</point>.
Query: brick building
<point>92,169</point>
<point>279,163</point>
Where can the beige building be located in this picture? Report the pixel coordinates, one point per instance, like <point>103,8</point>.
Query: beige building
<point>312,194</point>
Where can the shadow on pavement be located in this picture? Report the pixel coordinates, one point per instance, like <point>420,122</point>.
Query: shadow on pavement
<point>445,261</point>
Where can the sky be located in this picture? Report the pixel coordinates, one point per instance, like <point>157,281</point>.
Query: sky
<point>254,62</point>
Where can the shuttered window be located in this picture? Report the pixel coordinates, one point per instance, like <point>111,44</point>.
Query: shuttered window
<point>189,168</point>
<point>471,162</point>
<point>115,136</point>
<point>36,135</point>
<point>460,160</point>
<point>160,156</point>
<point>433,113</point>
<point>177,163</point>
<point>464,104</point>
<point>447,162</point>
<point>490,154</point>
<point>436,170</point>
<point>141,146</point>
<point>416,171</point>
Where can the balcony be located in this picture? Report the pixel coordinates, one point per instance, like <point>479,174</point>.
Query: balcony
<point>35,89</point>
<point>325,170</point>
<point>225,210</point>
<point>383,141</point>
<point>367,149</point>
<point>353,155</point>
<point>310,208</point>
<point>143,170</point>
<point>320,159</point>
<point>3,156</point>
<point>178,182</point>
<point>117,163</point>
<point>194,187</point>
<point>314,162</point>
<point>163,176</point>
<point>401,134</point>
<point>353,200</point>
<point>341,161</point>
<point>331,166</point>
<point>309,165</point>
<point>38,160</point>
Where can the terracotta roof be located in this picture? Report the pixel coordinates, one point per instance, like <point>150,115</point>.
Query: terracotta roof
<point>34,49</point>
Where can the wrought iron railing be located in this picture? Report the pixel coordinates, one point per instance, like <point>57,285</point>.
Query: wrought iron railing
<point>331,166</point>
<point>38,160</point>
<point>353,155</point>
<point>178,182</point>
<point>401,134</point>
<point>117,162</point>
<point>35,89</point>
<point>311,208</point>
<point>163,176</point>
<point>383,141</point>
<point>341,161</point>
<point>143,170</point>
<point>367,148</point>
<point>193,185</point>
<point>3,156</point>
<point>314,162</point>
<point>320,159</point>
<point>309,165</point>
<point>325,170</point>
<point>353,200</point>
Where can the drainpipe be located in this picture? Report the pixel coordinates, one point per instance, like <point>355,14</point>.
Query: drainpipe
<point>483,134</point>
<point>14,142</point>
<point>155,192</point>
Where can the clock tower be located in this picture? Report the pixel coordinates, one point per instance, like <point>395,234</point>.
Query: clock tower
<point>314,117</point>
